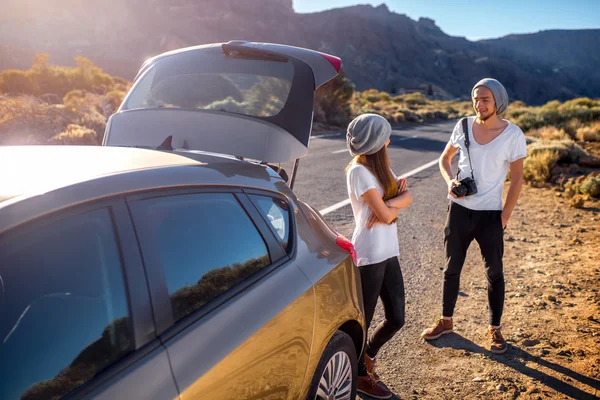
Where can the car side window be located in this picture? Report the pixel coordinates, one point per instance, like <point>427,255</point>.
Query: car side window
<point>277,213</point>
<point>64,314</point>
<point>206,244</point>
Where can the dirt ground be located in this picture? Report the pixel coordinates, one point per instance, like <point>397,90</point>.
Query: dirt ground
<point>551,316</point>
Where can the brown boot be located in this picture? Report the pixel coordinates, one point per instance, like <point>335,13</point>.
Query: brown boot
<point>370,364</point>
<point>439,328</point>
<point>367,385</point>
<point>498,344</point>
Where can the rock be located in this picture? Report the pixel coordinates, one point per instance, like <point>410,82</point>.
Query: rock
<point>501,388</point>
<point>577,201</point>
<point>552,298</point>
<point>580,353</point>
<point>478,379</point>
<point>545,352</point>
<point>530,342</point>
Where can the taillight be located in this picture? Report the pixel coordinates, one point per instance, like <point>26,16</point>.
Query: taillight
<point>335,61</point>
<point>347,246</point>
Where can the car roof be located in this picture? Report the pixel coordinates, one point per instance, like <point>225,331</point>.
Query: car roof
<point>48,178</point>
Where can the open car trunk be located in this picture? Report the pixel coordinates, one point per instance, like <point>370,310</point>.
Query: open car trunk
<point>249,100</point>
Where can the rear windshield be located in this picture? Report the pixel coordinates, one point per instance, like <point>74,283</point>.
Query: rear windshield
<point>255,88</point>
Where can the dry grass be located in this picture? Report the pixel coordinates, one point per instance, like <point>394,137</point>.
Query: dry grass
<point>413,107</point>
<point>537,166</point>
<point>589,133</point>
<point>549,133</point>
<point>75,134</point>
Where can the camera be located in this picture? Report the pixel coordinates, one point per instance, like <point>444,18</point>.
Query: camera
<point>467,187</point>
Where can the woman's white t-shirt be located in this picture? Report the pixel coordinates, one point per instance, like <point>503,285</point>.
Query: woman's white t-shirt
<point>372,245</point>
<point>490,162</point>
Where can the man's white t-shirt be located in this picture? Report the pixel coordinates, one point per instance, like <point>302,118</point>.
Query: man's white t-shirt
<point>372,245</point>
<point>490,163</point>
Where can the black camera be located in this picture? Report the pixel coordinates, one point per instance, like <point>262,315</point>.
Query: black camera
<point>467,187</point>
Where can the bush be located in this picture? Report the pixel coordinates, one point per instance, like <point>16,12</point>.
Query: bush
<point>42,78</point>
<point>590,133</point>
<point>591,186</point>
<point>76,135</point>
<point>17,82</point>
<point>568,152</point>
<point>332,101</point>
<point>416,98</point>
<point>549,133</point>
<point>536,168</point>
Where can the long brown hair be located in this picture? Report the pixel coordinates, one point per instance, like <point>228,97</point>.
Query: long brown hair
<point>379,165</point>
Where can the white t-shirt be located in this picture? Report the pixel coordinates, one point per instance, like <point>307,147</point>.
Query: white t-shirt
<point>490,164</point>
<point>372,245</point>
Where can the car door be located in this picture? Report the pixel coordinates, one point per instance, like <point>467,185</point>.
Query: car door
<point>234,314</point>
<point>75,319</point>
<point>252,100</point>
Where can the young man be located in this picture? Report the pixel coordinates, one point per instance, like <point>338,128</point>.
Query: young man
<point>495,146</point>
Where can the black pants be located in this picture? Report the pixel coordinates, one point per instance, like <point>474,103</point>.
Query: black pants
<point>383,280</point>
<point>462,226</point>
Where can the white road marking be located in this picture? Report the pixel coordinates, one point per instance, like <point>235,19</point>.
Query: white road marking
<point>340,151</point>
<point>415,171</point>
<point>398,140</point>
<point>326,136</point>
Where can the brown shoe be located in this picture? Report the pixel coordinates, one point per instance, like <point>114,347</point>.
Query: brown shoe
<point>498,345</point>
<point>367,385</point>
<point>439,328</point>
<point>370,364</point>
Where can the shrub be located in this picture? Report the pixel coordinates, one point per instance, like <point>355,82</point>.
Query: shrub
<point>591,186</point>
<point>590,133</point>
<point>416,98</point>
<point>42,78</point>
<point>536,168</point>
<point>549,133</point>
<point>569,152</point>
<point>76,135</point>
<point>14,81</point>
<point>332,101</point>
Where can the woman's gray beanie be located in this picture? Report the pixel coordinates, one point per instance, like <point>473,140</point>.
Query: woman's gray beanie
<point>499,92</point>
<point>367,134</point>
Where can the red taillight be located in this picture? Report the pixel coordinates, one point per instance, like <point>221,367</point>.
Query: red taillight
<point>335,61</point>
<point>347,246</point>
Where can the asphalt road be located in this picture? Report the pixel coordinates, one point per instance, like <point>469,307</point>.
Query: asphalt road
<point>321,178</point>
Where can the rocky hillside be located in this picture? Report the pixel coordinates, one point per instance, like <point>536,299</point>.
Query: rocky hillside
<point>380,49</point>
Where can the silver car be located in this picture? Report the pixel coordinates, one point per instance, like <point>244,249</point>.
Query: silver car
<point>175,261</point>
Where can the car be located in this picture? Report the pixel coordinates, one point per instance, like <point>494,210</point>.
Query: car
<point>175,261</point>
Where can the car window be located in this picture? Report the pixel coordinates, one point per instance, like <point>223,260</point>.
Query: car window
<point>64,314</point>
<point>250,87</point>
<point>276,212</point>
<point>206,244</point>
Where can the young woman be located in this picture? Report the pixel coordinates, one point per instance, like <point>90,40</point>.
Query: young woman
<point>377,196</point>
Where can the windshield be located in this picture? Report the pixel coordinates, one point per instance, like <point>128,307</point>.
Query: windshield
<point>256,88</point>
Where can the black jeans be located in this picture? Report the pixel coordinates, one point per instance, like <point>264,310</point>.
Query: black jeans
<point>383,280</point>
<point>462,226</point>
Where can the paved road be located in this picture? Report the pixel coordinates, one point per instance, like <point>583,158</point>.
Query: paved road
<point>321,180</point>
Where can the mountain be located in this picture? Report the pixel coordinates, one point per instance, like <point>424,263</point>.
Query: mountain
<point>380,49</point>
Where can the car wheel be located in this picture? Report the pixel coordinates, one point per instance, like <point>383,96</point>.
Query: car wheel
<point>336,374</point>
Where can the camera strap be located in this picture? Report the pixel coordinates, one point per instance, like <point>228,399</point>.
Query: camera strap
<point>465,128</point>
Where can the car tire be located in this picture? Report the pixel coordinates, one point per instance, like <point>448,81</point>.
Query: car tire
<point>337,372</point>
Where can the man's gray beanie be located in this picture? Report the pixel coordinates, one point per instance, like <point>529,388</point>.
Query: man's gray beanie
<point>500,95</point>
<point>367,134</point>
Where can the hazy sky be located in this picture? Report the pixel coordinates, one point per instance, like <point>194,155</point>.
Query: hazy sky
<point>484,19</point>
